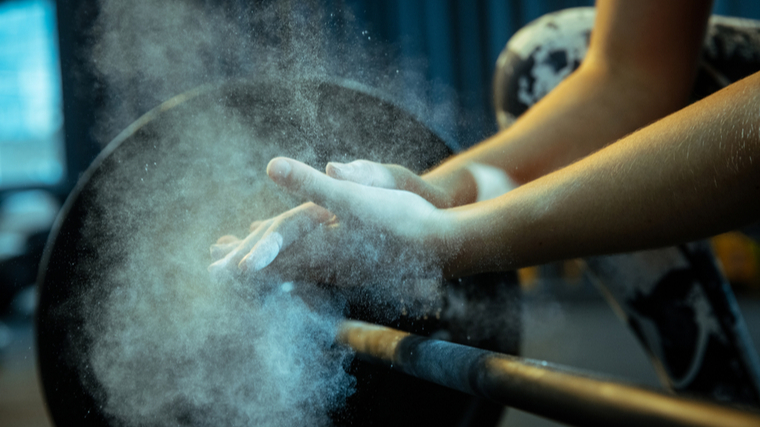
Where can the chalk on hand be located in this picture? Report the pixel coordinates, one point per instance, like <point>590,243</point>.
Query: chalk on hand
<point>265,251</point>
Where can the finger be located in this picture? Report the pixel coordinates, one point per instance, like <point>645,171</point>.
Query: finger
<point>224,266</point>
<point>219,251</point>
<point>311,259</point>
<point>362,172</point>
<point>229,238</point>
<point>288,228</point>
<point>389,176</point>
<point>254,225</point>
<point>343,198</point>
<point>348,200</point>
<point>223,246</point>
<point>263,253</point>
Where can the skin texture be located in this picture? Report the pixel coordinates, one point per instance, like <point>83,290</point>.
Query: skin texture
<point>640,67</point>
<point>377,214</point>
<point>692,174</point>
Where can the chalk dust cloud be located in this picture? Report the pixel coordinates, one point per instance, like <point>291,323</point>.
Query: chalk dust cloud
<point>169,346</point>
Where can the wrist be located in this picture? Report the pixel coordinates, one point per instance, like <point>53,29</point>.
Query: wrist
<point>490,181</point>
<point>465,245</point>
<point>446,240</point>
<point>456,188</point>
<point>495,235</point>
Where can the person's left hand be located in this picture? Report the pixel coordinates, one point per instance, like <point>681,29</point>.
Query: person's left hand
<point>348,231</point>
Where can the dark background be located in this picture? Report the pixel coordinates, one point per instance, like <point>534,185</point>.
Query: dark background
<point>457,42</point>
<point>453,43</point>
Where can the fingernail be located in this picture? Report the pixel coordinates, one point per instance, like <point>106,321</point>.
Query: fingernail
<point>339,170</point>
<point>278,169</point>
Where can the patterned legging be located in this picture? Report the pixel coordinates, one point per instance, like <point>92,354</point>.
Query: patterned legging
<point>675,300</point>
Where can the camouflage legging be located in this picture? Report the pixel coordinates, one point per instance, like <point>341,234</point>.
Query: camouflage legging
<point>675,300</point>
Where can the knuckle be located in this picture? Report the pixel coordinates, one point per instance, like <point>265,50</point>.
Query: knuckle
<point>305,182</point>
<point>362,163</point>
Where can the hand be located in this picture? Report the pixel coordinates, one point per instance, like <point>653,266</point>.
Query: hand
<point>390,176</point>
<point>361,172</point>
<point>348,232</point>
<point>472,183</point>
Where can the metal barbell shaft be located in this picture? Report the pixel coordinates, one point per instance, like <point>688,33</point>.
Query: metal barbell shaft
<point>538,387</point>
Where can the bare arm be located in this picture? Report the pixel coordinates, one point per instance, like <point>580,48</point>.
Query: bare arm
<point>628,196</point>
<point>691,175</point>
<point>639,68</point>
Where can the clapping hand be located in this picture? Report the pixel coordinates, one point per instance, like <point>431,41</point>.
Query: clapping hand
<point>355,226</point>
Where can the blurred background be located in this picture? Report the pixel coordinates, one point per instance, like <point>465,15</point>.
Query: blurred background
<point>49,100</point>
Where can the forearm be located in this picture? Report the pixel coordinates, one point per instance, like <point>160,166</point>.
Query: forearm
<point>589,110</point>
<point>639,68</point>
<point>688,176</point>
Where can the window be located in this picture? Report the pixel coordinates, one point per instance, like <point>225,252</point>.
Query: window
<point>31,118</point>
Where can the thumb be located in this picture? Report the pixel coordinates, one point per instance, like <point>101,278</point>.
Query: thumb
<point>363,172</point>
<point>304,181</point>
<point>390,176</point>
